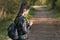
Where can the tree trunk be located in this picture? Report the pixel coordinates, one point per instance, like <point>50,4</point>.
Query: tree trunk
<point>2,12</point>
<point>53,4</point>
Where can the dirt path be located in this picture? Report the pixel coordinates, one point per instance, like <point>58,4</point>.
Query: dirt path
<point>43,15</point>
<point>45,27</point>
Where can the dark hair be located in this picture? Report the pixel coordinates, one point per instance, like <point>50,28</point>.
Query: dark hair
<point>23,6</point>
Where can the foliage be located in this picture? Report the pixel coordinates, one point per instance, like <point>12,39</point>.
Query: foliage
<point>32,2</point>
<point>56,11</point>
<point>3,29</point>
<point>48,1</point>
<point>31,13</point>
<point>58,5</point>
<point>9,7</point>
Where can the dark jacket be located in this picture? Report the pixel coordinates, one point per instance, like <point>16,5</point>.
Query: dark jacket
<point>23,26</point>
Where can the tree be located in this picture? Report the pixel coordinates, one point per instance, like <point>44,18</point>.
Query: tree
<point>8,7</point>
<point>53,4</point>
<point>32,2</point>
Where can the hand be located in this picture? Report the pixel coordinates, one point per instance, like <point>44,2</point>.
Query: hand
<point>31,22</point>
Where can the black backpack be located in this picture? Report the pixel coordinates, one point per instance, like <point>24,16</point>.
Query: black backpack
<point>12,31</point>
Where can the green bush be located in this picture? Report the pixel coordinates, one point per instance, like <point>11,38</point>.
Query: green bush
<point>56,11</point>
<point>58,5</point>
<point>31,13</point>
<point>48,2</point>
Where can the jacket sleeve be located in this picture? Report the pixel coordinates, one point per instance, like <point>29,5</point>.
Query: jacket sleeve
<point>28,26</point>
<point>25,24</point>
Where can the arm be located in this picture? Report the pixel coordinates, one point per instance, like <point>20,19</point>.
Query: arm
<point>29,24</point>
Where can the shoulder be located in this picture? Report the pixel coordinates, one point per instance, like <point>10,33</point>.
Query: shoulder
<point>21,19</point>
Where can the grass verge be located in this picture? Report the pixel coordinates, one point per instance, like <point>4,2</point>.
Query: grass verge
<point>31,13</point>
<point>57,13</point>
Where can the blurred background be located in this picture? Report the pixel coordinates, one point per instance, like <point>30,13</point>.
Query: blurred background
<point>10,8</point>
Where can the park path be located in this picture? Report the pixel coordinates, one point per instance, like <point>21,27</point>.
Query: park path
<point>45,27</point>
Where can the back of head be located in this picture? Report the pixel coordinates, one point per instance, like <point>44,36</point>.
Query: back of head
<point>23,6</point>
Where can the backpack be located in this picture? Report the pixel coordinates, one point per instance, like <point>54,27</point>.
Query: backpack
<point>12,31</point>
